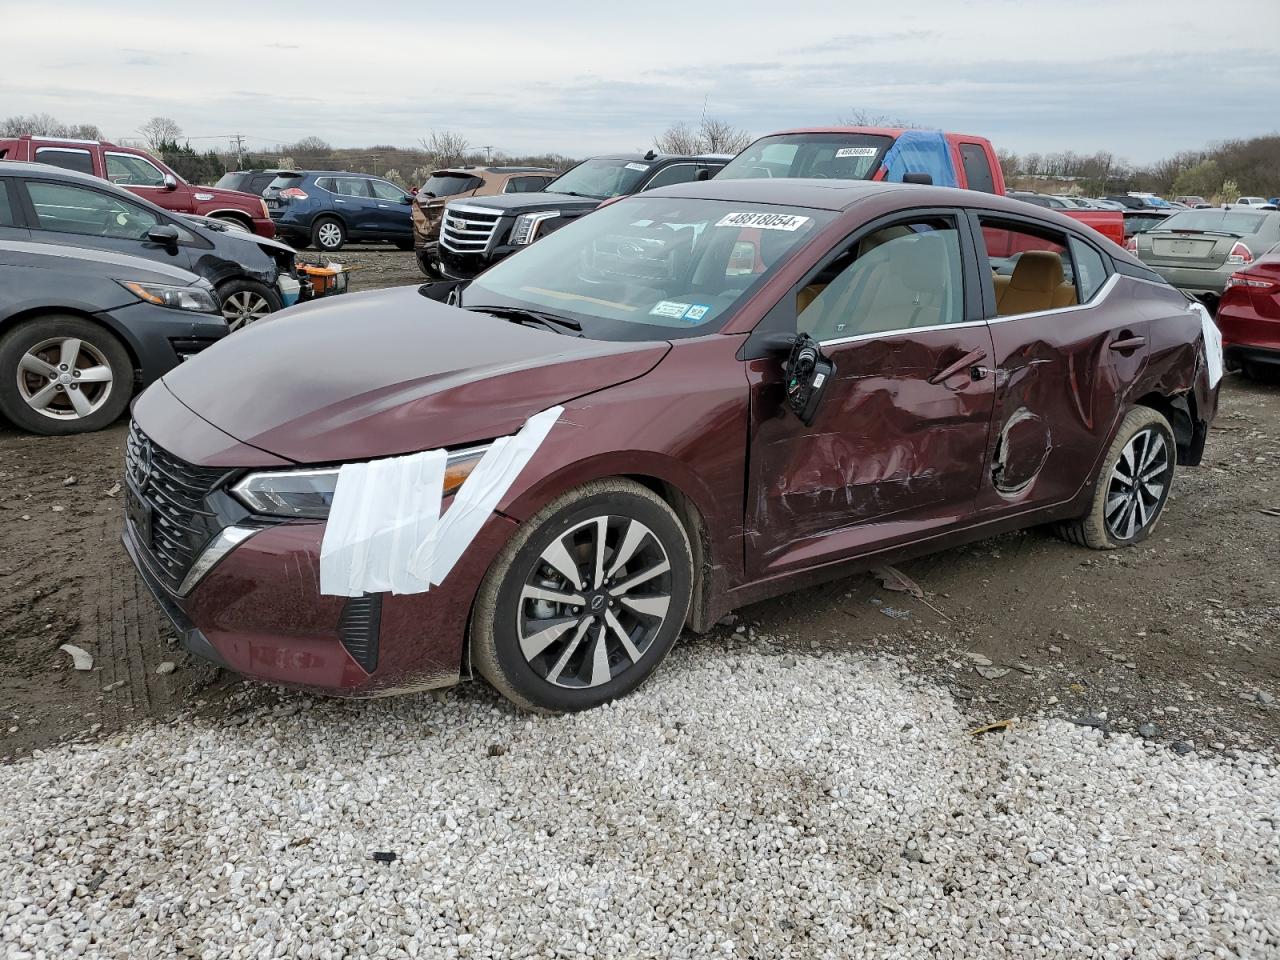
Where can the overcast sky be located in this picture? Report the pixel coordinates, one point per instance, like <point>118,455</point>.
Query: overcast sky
<point>1141,78</point>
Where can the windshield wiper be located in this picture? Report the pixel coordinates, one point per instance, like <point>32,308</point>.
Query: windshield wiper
<point>521,315</point>
<point>585,196</point>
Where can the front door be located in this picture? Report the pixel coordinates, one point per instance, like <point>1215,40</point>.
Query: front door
<point>898,445</point>
<point>1068,350</point>
<point>393,210</point>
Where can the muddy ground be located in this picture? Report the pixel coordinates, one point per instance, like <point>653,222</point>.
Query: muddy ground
<point>1179,633</point>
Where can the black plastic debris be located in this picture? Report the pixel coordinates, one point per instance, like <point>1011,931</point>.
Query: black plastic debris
<point>384,856</point>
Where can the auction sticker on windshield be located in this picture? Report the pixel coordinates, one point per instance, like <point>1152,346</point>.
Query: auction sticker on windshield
<point>763,221</point>
<point>638,166</point>
<point>857,151</point>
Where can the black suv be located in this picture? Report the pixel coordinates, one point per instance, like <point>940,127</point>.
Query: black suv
<point>479,231</point>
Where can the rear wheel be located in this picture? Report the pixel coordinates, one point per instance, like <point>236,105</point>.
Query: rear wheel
<point>63,374</point>
<point>328,234</point>
<point>585,601</point>
<point>1132,486</point>
<point>244,301</point>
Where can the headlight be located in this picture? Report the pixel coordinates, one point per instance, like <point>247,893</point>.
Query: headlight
<point>525,230</point>
<point>179,298</point>
<point>308,494</point>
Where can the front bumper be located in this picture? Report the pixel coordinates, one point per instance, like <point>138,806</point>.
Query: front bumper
<point>161,337</point>
<point>259,610</point>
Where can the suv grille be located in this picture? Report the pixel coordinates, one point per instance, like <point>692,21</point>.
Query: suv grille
<point>172,491</point>
<point>468,229</point>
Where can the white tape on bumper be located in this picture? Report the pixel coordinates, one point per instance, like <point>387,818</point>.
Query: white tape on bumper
<point>385,532</point>
<point>1212,345</point>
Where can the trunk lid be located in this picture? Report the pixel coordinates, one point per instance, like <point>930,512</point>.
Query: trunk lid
<point>1188,249</point>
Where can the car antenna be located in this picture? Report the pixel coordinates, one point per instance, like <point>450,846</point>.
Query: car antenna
<point>650,155</point>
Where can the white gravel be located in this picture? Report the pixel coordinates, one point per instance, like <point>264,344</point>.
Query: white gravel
<point>743,805</point>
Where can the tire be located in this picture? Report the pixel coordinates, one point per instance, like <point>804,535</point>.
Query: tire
<point>1260,372</point>
<point>564,670</point>
<point>403,244</point>
<point>244,301</point>
<point>298,243</point>
<point>1106,529</point>
<point>328,234</point>
<point>234,222</point>
<point>75,404</point>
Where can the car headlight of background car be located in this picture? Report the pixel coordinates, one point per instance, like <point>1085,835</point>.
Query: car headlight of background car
<point>198,299</point>
<point>308,494</point>
<point>525,230</point>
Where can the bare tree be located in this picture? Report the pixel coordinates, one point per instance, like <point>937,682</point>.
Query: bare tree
<point>45,125</point>
<point>712,136</point>
<point>445,148</point>
<point>677,138</point>
<point>160,130</point>
<point>311,145</point>
<point>858,117</point>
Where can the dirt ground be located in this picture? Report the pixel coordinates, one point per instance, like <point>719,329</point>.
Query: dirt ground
<point>1178,636</point>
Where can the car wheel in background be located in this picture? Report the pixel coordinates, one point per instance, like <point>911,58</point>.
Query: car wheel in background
<point>244,301</point>
<point>586,599</point>
<point>63,374</point>
<point>234,222</point>
<point>1260,372</point>
<point>328,234</point>
<point>1132,487</point>
<point>298,243</point>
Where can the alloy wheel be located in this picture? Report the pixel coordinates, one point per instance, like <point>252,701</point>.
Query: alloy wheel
<point>64,378</point>
<point>594,602</point>
<point>243,307</point>
<point>1138,484</point>
<point>329,235</point>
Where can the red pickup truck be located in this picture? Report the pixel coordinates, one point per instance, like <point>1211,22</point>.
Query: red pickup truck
<point>895,155</point>
<point>145,175</point>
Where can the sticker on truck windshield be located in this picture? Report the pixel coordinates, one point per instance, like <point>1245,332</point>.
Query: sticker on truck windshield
<point>857,151</point>
<point>642,167</point>
<point>670,308</point>
<point>763,221</point>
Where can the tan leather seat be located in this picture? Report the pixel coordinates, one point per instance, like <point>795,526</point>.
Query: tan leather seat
<point>1036,284</point>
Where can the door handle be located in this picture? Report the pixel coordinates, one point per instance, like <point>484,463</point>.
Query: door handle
<point>970,359</point>
<point>1127,342</point>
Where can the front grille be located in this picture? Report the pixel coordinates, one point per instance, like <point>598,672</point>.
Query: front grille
<point>172,492</point>
<point>468,229</point>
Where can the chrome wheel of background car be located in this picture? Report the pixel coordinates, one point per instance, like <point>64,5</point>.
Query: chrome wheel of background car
<point>594,603</point>
<point>329,235</point>
<point>1138,483</point>
<point>64,378</point>
<point>243,307</point>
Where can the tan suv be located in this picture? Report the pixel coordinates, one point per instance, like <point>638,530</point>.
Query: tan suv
<point>456,182</point>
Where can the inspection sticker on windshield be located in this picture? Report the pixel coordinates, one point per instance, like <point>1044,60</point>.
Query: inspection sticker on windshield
<point>857,151</point>
<point>642,167</point>
<point>670,308</point>
<point>763,221</point>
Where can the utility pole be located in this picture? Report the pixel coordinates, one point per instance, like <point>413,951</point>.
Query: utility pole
<point>488,155</point>
<point>238,140</point>
<point>375,159</point>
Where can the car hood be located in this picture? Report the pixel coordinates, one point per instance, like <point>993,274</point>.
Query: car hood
<point>391,372</point>
<point>511,204</point>
<point>232,198</point>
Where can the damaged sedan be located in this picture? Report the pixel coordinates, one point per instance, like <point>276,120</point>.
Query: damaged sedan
<point>692,399</point>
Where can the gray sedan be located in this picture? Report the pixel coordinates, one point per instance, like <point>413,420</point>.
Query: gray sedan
<point>1197,250</point>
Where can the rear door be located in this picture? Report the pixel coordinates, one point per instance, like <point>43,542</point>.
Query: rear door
<point>79,159</point>
<point>899,442</point>
<point>353,199</point>
<point>1069,347</point>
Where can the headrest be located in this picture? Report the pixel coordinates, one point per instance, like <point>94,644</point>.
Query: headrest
<point>1037,270</point>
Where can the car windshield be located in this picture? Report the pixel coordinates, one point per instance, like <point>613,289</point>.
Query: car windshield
<point>449,184</point>
<point>650,268</point>
<point>601,178</point>
<point>837,156</point>
<point>1215,221</point>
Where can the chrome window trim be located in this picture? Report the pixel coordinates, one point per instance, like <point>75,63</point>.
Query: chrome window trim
<point>892,333</point>
<point>40,150</point>
<point>1104,291</point>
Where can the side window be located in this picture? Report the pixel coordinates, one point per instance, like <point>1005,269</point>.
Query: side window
<point>525,184</point>
<point>676,173</point>
<point>327,183</point>
<point>351,187</point>
<point>72,209</point>
<point>977,168</point>
<point>1091,270</point>
<point>130,171</point>
<point>6,208</point>
<point>900,277</point>
<point>386,191</point>
<point>78,160</point>
<point>1030,268</point>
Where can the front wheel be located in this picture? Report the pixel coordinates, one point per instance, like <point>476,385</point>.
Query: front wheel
<point>63,374</point>
<point>328,235</point>
<point>244,301</point>
<point>585,601</point>
<point>1132,486</point>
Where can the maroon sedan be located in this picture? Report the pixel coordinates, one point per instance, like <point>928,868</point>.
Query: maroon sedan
<point>690,400</point>
<point>1249,316</point>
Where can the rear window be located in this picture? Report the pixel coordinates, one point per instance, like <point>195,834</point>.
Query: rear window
<point>234,181</point>
<point>67,159</point>
<point>977,168</point>
<point>449,184</point>
<point>836,156</point>
<point>285,180</point>
<point>1208,221</point>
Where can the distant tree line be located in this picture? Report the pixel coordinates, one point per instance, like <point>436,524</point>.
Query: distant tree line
<point>1220,171</point>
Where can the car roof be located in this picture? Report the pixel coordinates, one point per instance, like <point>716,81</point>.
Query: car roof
<point>822,194</point>
<point>661,157</point>
<point>471,171</point>
<point>113,263</point>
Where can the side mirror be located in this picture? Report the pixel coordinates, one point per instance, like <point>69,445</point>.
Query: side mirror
<point>921,178</point>
<point>170,182</point>
<point>808,371</point>
<point>407,200</point>
<point>703,174</point>
<point>166,235</point>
